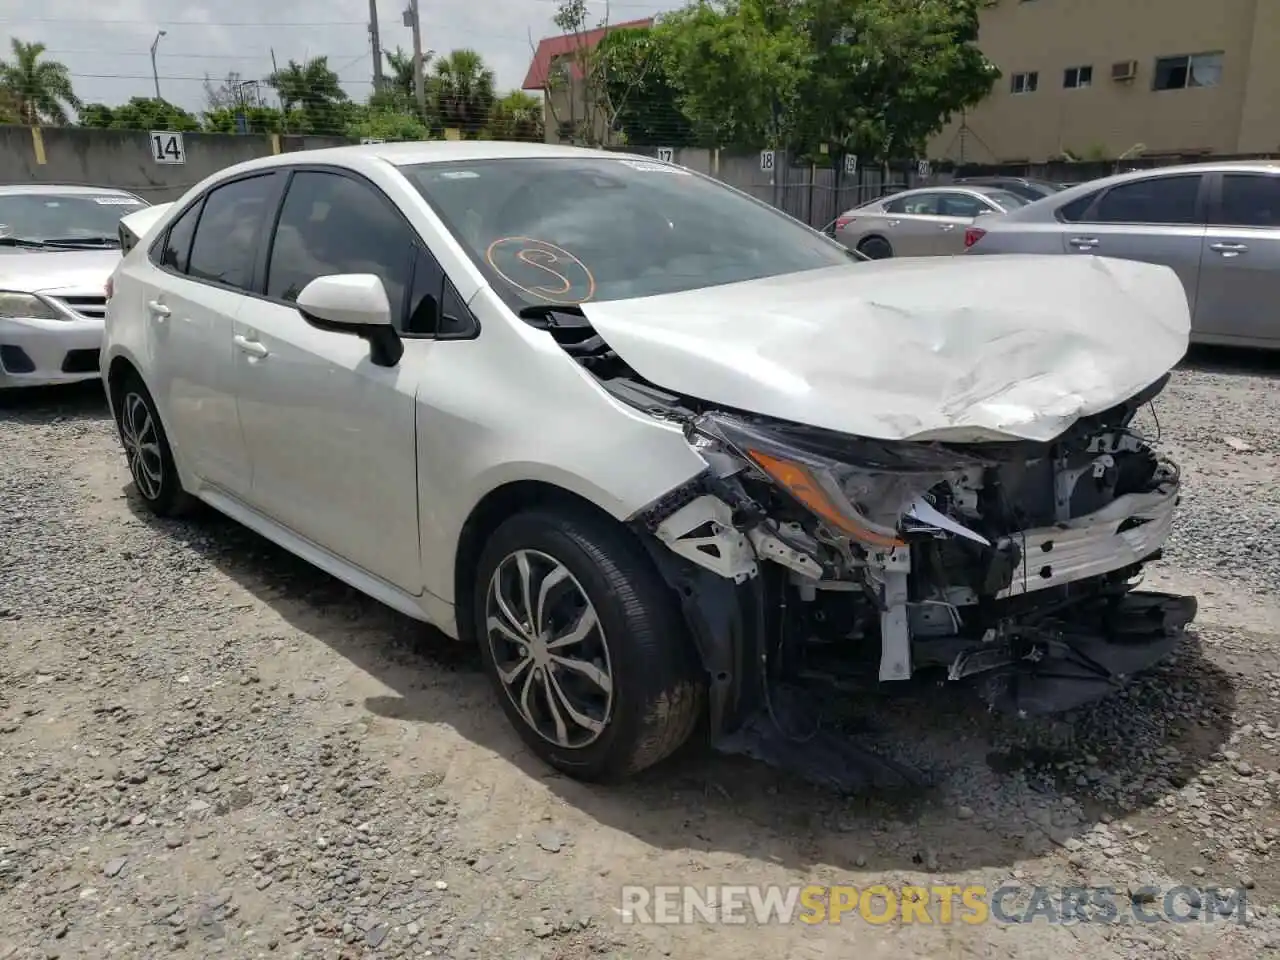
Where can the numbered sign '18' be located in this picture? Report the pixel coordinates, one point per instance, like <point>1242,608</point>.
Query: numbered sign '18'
<point>167,147</point>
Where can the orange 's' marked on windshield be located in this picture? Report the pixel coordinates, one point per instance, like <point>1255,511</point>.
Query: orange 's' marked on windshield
<point>557,263</point>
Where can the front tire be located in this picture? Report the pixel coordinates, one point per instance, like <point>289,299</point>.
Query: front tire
<point>147,451</point>
<point>585,644</point>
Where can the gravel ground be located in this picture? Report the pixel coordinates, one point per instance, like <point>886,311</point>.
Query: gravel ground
<point>209,748</point>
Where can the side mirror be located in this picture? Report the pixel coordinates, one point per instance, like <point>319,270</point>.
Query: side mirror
<point>356,304</point>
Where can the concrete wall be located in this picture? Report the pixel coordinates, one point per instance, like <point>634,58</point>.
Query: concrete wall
<point>122,158</point>
<point>1238,115</point>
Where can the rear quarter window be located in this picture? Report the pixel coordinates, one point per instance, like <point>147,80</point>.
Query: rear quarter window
<point>1074,211</point>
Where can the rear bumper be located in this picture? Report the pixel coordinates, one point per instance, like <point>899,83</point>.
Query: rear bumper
<point>42,352</point>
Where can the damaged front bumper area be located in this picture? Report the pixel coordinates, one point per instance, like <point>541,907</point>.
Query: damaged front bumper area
<point>803,555</point>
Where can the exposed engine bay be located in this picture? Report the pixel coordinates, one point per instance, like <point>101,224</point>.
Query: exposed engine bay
<point>847,561</point>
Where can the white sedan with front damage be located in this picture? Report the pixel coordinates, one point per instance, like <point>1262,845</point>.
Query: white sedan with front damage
<point>659,450</point>
<point>58,246</point>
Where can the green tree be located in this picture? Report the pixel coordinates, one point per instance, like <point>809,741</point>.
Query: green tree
<point>40,90</point>
<point>875,77</point>
<point>382,124</point>
<point>462,91</point>
<point>517,116</point>
<point>140,113</point>
<point>258,119</point>
<point>736,67</point>
<point>312,88</point>
<point>644,104</point>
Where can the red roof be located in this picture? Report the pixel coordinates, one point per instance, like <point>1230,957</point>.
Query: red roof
<point>551,47</point>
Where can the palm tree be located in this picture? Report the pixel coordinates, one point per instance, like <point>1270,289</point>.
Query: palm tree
<point>401,63</point>
<point>463,91</point>
<point>41,90</point>
<point>314,88</point>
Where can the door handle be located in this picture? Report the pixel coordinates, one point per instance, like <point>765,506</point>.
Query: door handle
<point>1084,243</point>
<point>894,223</point>
<point>254,348</point>
<point>947,226</point>
<point>158,309</point>
<point>1230,249</point>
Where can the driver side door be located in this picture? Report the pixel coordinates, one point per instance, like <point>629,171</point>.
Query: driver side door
<point>330,435</point>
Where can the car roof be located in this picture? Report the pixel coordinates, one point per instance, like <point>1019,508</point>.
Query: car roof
<point>963,188</point>
<point>410,153</point>
<point>1049,205</point>
<point>66,189</point>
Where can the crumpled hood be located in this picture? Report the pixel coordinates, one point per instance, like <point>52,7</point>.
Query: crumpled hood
<point>56,271</point>
<point>959,348</point>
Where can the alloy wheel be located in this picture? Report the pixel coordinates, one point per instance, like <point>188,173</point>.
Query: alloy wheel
<point>142,445</point>
<point>549,649</point>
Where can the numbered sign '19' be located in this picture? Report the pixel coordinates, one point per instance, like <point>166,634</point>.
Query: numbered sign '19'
<point>167,147</point>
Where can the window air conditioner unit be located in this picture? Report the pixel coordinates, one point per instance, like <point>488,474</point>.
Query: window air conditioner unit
<point>1124,70</point>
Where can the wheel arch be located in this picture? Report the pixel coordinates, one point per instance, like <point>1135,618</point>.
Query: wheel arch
<point>495,507</point>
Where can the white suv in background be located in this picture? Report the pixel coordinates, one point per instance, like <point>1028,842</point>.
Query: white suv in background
<point>58,246</point>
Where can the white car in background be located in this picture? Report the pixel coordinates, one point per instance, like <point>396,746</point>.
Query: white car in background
<point>656,447</point>
<point>58,246</point>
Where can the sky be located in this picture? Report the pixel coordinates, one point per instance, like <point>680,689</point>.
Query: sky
<point>107,47</point>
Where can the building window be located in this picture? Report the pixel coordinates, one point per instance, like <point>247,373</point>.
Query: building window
<point>1073,78</point>
<point>1195,70</point>
<point>1025,82</point>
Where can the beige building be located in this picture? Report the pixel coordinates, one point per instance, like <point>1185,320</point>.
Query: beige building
<point>1101,79</point>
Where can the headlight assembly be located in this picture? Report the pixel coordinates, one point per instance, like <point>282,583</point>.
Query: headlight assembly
<point>858,488</point>
<point>26,306</point>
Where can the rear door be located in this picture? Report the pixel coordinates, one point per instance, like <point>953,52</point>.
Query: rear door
<point>206,262</point>
<point>1239,294</point>
<point>1159,219</point>
<point>914,224</point>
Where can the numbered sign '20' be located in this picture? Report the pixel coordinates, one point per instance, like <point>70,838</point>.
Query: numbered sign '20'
<point>167,147</point>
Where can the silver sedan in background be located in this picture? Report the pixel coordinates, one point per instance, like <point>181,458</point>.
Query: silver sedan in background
<point>926,222</point>
<point>1217,225</point>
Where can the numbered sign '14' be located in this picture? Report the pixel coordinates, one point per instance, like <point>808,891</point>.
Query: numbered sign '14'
<point>167,147</point>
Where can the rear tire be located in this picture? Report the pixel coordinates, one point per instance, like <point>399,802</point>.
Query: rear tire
<point>147,451</point>
<point>877,248</point>
<point>599,678</point>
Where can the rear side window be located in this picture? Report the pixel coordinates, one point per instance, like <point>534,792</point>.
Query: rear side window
<point>333,224</point>
<point>925,204</point>
<point>175,249</point>
<point>226,242</point>
<point>1250,200</point>
<point>1169,200</point>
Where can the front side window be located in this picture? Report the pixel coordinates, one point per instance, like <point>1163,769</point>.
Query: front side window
<point>333,224</point>
<point>1006,200</point>
<point>234,218</point>
<point>1170,200</point>
<point>1195,70</point>
<point>1250,200</point>
<point>571,230</point>
<point>963,205</point>
<point>66,219</point>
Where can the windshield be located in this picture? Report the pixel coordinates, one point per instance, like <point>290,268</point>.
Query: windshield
<point>67,218</point>
<point>1010,201</point>
<point>567,230</point>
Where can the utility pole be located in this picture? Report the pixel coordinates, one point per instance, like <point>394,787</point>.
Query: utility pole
<point>155,74</point>
<point>419,82</point>
<point>377,45</point>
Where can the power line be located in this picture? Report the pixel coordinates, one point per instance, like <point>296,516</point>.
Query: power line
<point>184,56</point>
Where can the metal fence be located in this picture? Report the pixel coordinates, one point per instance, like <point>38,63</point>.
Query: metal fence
<point>813,193</point>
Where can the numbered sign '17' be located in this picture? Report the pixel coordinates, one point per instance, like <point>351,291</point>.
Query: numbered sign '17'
<point>167,147</point>
<point>666,154</point>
